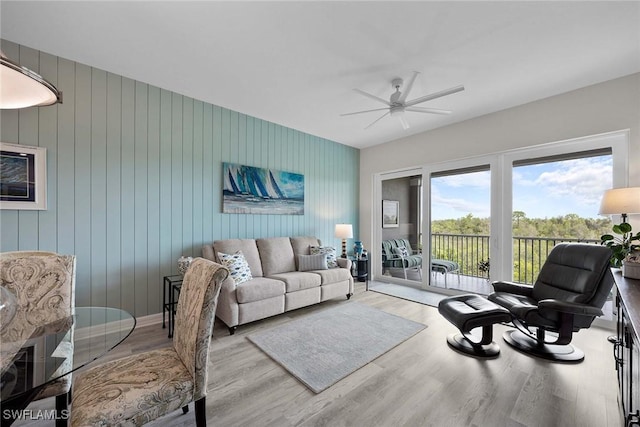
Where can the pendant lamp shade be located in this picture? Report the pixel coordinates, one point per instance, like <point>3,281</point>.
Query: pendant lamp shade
<point>22,88</point>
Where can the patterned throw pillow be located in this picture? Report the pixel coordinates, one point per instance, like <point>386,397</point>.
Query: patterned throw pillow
<point>402,251</point>
<point>330,253</point>
<point>237,265</point>
<point>312,262</point>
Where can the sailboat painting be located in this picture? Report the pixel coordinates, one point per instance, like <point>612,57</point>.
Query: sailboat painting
<point>252,190</point>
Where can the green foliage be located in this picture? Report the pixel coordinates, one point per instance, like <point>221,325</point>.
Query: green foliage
<point>621,246</point>
<point>569,226</point>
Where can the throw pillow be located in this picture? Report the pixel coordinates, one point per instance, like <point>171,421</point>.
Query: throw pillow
<point>402,252</point>
<point>238,266</point>
<point>312,262</point>
<point>328,251</point>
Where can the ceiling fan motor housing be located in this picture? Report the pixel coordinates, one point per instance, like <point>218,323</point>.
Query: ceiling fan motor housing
<point>396,110</point>
<point>395,96</point>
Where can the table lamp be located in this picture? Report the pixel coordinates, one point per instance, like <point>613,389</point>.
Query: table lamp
<point>621,201</point>
<point>344,232</point>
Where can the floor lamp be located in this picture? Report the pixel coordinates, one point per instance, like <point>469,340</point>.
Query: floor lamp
<point>344,232</point>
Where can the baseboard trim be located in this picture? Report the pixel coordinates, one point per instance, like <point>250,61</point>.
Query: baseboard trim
<point>151,319</point>
<point>91,332</point>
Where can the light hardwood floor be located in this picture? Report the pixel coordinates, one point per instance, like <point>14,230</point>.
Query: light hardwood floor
<point>421,382</point>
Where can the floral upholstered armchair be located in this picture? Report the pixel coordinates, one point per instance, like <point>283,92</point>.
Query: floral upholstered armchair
<point>43,284</point>
<point>142,387</point>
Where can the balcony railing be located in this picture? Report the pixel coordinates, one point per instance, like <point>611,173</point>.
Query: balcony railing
<point>529,253</point>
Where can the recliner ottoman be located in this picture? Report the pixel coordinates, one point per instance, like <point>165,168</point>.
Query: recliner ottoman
<point>470,311</point>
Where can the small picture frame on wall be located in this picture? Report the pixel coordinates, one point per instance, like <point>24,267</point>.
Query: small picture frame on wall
<point>23,177</point>
<point>390,214</point>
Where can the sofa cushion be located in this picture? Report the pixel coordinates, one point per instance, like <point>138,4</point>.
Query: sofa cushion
<point>259,288</point>
<point>297,280</point>
<point>330,253</point>
<point>333,275</point>
<point>238,267</point>
<point>276,255</point>
<point>301,244</point>
<point>248,248</point>
<point>311,262</point>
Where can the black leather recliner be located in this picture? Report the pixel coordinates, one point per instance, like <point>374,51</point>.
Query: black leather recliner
<point>568,295</point>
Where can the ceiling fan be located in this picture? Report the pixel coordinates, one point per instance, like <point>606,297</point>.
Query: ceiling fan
<point>398,104</point>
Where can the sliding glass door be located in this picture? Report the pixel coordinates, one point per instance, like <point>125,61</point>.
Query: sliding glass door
<point>401,227</point>
<point>460,207</point>
<point>494,217</point>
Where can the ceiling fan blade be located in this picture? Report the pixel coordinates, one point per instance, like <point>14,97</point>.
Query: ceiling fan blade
<point>434,95</point>
<point>377,120</point>
<point>403,122</point>
<point>404,95</point>
<point>427,110</point>
<point>368,95</point>
<point>365,111</point>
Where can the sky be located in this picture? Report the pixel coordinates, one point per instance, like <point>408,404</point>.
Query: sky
<point>541,191</point>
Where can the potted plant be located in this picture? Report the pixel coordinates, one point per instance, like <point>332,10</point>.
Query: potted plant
<point>623,246</point>
<point>485,266</point>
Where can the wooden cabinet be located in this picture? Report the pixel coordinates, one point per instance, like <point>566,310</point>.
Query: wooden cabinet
<point>627,347</point>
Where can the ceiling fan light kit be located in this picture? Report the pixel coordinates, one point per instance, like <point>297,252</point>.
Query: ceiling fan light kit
<point>398,104</point>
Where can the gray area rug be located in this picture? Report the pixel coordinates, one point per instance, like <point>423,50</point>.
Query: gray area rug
<point>408,293</point>
<point>322,348</point>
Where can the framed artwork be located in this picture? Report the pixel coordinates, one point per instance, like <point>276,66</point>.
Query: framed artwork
<point>390,213</point>
<point>252,190</point>
<point>23,177</point>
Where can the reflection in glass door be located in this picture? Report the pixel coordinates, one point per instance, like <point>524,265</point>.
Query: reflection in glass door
<point>402,228</point>
<point>460,206</point>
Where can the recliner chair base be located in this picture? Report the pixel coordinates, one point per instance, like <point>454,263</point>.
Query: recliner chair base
<point>468,312</point>
<point>557,353</point>
<point>460,343</point>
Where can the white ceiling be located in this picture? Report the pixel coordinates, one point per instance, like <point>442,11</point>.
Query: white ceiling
<point>295,63</point>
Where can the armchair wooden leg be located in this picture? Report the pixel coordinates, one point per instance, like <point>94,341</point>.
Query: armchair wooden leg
<point>62,409</point>
<point>185,409</point>
<point>201,415</point>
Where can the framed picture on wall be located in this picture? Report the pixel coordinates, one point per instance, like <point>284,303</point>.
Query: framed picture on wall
<point>253,190</point>
<point>390,213</point>
<point>23,177</point>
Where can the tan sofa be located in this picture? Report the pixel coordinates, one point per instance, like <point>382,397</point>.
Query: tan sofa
<point>277,285</point>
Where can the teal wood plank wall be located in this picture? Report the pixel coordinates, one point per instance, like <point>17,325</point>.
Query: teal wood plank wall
<point>134,178</point>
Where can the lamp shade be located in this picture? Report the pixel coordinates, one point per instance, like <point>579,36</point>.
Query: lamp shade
<point>21,87</point>
<point>620,201</point>
<point>344,231</point>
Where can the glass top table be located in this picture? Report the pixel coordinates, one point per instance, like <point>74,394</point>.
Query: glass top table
<point>31,357</point>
